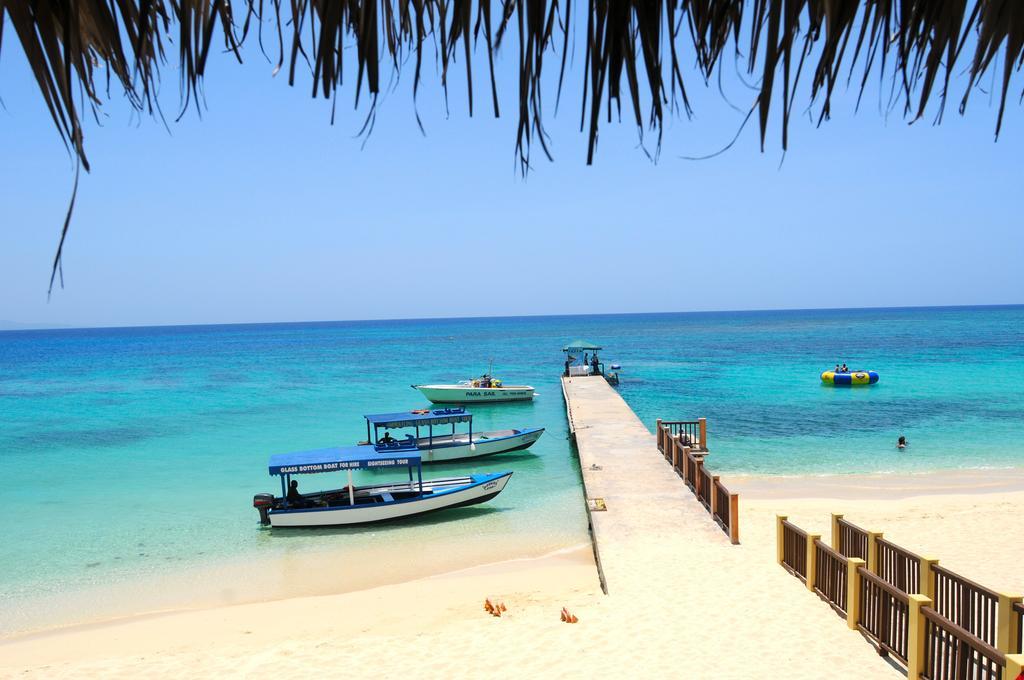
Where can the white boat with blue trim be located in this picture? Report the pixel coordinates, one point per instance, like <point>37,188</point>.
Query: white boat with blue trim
<point>435,444</point>
<point>352,505</point>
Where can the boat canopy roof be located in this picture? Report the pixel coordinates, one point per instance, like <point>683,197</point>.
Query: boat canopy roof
<point>336,458</point>
<point>580,346</point>
<point>443,416</point>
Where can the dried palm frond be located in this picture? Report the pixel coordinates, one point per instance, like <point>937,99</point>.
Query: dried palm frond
<point>634,49</point>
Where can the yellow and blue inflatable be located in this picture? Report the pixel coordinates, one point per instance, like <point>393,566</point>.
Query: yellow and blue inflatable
<point>849,378</point>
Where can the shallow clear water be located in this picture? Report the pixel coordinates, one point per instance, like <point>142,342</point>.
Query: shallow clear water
<point>135,452</point>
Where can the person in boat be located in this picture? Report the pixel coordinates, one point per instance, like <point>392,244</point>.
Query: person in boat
<point>901,443</point>
<point>586,358</point>
<point>387,438</point>
<point>295,499</point>
<point>567,368</point>
<point>594,363</point>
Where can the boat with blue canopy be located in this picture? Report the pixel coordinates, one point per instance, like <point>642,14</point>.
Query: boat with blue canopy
<point>435,443</point>
<point>350,504</point>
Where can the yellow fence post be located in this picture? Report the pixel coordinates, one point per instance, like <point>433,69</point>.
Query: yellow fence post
<point>703,423</point>
<point>657,430</point>
<point>853,591</point>
<point>915,635</point>
<point>873,537</point>
<point>1014,667</point>
<point>780,553</point>
<point>734,518</point>
<point>835,530</point>
<point>812,560</point>
<point>927,587</point>
<point>1007,625</point>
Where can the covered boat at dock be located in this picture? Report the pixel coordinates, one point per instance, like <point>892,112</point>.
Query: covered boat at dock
<point>438,445</point>
<point>349,504</point>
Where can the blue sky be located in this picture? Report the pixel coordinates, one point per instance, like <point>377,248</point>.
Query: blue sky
<point>263,211</point>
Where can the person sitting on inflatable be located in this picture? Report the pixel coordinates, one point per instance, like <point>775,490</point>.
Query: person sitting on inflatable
<point>844,369</point>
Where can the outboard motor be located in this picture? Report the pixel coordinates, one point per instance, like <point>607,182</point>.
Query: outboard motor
<point>263,502</point>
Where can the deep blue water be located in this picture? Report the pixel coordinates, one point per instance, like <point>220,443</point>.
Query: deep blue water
<point>137,451</point>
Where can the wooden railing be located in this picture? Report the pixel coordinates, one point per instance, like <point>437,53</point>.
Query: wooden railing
<point>830,576</point>
<point>884,615</point>
<point>690,466</point>
<point>794,550</point>
<point>952,652</point>
<point>853,541</point>
<point>704,484</point>
<point>692,433</point>
<point>899,567</point>
<point>688,462</point>
<point>940,625</point>
<point>726,510</point>
<point>965,603</point>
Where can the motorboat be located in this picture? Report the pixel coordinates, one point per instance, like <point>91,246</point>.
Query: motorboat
<point>350,505</point>
<point>437,445</point>
<point>482,389</point>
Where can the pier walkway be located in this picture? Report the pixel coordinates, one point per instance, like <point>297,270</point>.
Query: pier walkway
<point>643,496</point>
<point>719,610</point>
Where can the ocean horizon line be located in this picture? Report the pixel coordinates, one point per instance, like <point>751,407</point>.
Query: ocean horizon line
<point>32,328</point>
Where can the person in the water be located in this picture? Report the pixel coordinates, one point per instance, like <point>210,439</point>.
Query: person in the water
<point>901,443</point>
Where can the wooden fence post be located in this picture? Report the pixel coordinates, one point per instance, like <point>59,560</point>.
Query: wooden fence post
<point>835,531</point>
<point>812,560</point>
<point>698,483</point>
<point>1014,667</point>
<point>657,430</point>
<point>853,591</point>
<point>675,452</point>
<point>1007,625</point>
<point>927,587</point>
<point>734,518</point>
<point>873,537</point>
<point>703,423</point>
<point>686,468</point>
<point>915,635</point>
<point>780,553</point>
<point>714,495</point>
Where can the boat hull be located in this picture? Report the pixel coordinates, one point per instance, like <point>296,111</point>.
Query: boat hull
<point>484,488</point>
<point>484,444</point>
<point>465,394</point>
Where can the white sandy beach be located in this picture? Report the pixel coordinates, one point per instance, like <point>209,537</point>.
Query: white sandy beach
<point>701,609</point>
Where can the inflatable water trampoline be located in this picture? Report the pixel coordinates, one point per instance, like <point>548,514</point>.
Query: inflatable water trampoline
<point>849,378</point>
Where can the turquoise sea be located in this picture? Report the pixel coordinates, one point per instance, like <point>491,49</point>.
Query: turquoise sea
<point>130,456</point>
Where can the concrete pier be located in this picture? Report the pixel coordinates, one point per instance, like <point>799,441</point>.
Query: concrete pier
<point>642,497</point>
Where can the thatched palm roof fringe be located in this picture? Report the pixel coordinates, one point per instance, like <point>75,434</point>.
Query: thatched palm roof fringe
<point>631,45</point>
